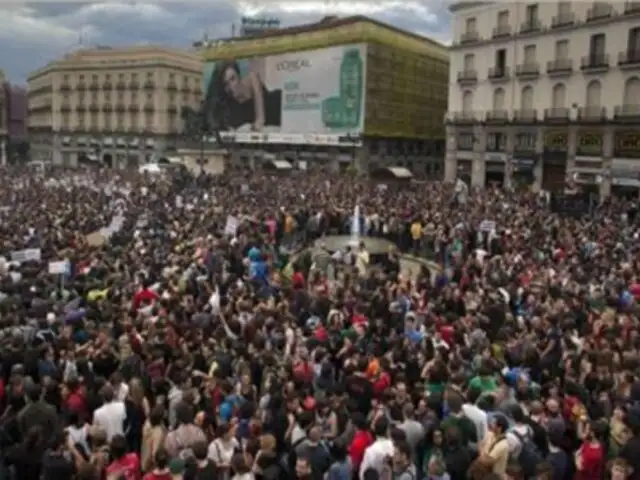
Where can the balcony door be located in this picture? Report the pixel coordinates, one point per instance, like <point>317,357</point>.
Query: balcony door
<point>597,48</point>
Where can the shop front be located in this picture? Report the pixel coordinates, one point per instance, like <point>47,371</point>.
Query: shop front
<point>523,168</point>
<point>625,167</point>
<point>554,160</point>
<point>495,170</point>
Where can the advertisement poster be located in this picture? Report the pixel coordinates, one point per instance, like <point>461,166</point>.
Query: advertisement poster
<point>319,92</point>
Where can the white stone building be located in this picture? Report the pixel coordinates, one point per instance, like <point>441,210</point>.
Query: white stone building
<point>541,93</point>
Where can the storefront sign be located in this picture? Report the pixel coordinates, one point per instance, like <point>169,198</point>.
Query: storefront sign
<point>627,145</point>
<point>524,165</point>
<point>589,144</point>
<point>556,141</point>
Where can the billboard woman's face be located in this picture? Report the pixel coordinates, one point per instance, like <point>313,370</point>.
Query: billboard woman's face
<point>233,84</point>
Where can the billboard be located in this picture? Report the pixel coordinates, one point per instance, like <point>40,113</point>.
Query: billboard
<point>286,98</point>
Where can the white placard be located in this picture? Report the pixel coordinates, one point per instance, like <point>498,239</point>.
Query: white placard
<point>244,188</point>
<point>487,226</point>
<point>61,267</point>
<point>27,255</point>
<point>179,201</point>
<point>302,165</point>
<point>231,226</point>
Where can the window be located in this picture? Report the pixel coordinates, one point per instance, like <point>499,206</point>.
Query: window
<point>564,9</point>
<point>633,43</point>
<point>559,95</point>
<point>467,101</point>
<point>526,98</point>
<point>149,75</point>
<point>107,96</point>
<point>107,76</point>
<point>134,76</point>
<point>498,99</point>
<point>503,19</point>
<point>532,14</point>
<point>120,121</point>
<point>562,49</point>
<point>469,62</point>
<point>597,47</point>
<point>632,92</point>
<point>501,59</point>
<point>529,54</point>
<point>594,90</point>
<point>470,28</point>
<point>94,78</point>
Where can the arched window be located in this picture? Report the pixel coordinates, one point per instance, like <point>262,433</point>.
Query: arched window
<point>632,92</point>
<point>559,95</point>
<point>467,101</point>
<point>594,90</point>
<point>498,99</point>
<point>526,98</point>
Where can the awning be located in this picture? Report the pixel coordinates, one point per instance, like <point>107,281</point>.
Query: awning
<point>81,141</point>
<point>150,143</point>
<point>134,142</point>
<point>107,141</point>
<point>121,142</point>
<point>398,173</point>
<point>66,140</point>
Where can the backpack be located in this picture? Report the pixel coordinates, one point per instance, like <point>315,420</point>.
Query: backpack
<point>530,455</point>
<point>292,457</point>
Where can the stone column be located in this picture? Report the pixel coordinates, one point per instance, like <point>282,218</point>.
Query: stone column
<point>538,168</point>
<point>450,160</point>
<point>3,153</point>
<point>608,153</point>
<point>479,150</point>
<point>509,165</point>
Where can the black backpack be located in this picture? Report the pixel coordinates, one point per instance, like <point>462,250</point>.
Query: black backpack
<point>530,456</point>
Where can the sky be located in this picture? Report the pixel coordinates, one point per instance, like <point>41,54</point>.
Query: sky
<point>35,33</point>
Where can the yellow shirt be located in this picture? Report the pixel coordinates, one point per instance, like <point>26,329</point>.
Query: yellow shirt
<point>499,452</point>
<point>288,224</point>
<point>416,230</point>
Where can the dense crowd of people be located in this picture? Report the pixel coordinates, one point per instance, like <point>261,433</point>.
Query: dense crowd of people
<point>165,327</point>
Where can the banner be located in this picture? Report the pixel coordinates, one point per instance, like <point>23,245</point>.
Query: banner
<point>308,92</point>
<point>570,204</point>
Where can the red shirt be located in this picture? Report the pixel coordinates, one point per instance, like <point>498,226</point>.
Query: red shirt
<point>144,296</point>
<point>361,441</point>
<point>592,462</point>
<point>381,384</point>
<point>158,476</point>
<point>128,466</point>
<point>76,401</point>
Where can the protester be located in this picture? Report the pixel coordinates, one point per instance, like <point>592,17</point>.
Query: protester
<point>167,327</point>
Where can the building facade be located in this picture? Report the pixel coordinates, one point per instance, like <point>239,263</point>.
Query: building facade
<point>544,93</point>
<point>116,105</point>
<point>16,106</point>
<point>4,132</point>
<point>353,91</point>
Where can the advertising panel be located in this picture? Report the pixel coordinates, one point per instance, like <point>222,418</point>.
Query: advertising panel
<point>288,98</point>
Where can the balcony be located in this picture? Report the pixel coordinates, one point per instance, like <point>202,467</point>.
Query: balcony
<point>121,86</point>
<point>556,115</point>
<point>592,114</point>
<point>560,67</point>
<point>501,31</point>
<point>525,116</point>
<point>107,108</point>
<point>107,85</point>
<point>134,85</point>
<point>563,20</point>
<point>81,108</point>
<point>599,11</point>
<point>631,8</point>
<point>497,117</point>
<point>197,91</point>
<point>499,74</point>
<point>629,59</point>
<point>149,85</point>
<point>532,25</point>
<point>148,107</point>
<point>120,107</point>
<point>94,108</point>
<point>184,88</point>
<point>172,109</point>
<point>467,77</point>
<point>65,108</point>
<point>65,87</point>
<point>134,108</point>
<point>469,37</point>
<point>81,87</point>
<point>595,63</point>
<point>462,118</point>
<point>627,113</point>
<point>172,87</point>
<point>528,70</point>
<point>94,86</point>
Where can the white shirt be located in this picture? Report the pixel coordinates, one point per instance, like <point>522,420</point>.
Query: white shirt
<point>375,455</point>
<point>515,445</point>
<point>479,419</point>
<point>111,417</point>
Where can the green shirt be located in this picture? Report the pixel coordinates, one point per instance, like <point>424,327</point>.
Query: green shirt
<point>484,384</point>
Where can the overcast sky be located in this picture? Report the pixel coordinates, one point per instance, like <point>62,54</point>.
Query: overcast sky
<point>34,33</point>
